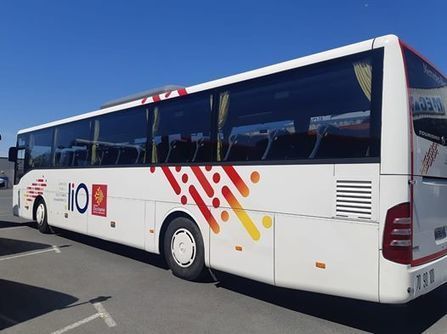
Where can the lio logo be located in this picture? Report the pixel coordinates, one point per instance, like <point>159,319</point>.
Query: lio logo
<point>74,198</point>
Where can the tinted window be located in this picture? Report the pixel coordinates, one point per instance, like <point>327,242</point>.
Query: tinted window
<point>73,144</point>
<point>120,138</point>
<point>39,153</point>
<point>22,151</point>
<point>322,111</point>
<point>428,99</point>
<point>181,130</point>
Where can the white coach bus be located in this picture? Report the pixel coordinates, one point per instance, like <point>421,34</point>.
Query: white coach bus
<point>326,173</point>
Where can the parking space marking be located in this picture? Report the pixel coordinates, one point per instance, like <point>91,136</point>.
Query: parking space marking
<point>102,313</point>
<point>77,324</point>
<point>52,249</point>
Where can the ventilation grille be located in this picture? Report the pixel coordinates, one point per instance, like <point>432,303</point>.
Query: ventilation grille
<point>353,199</point>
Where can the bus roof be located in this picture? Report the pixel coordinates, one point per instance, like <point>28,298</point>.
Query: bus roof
<point>263,71</point>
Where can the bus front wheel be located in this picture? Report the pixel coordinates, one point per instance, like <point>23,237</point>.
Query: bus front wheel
<point>42,217</point>
<point>183,248</point>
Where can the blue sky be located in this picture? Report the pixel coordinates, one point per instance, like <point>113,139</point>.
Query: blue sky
<point>60,58</point>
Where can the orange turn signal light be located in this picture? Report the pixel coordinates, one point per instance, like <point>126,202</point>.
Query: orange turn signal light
<point>320,265</point>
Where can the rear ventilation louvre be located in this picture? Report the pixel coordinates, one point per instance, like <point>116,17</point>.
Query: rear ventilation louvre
<point>353,199</point>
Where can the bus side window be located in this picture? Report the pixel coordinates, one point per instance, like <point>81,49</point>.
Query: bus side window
<point>120,138</point>
<point>322,111</point>
<point>40,149</point>
<point>72,144</point>
<point>181,130</point>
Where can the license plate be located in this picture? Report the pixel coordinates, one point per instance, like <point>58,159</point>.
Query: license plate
<point>425,279</point>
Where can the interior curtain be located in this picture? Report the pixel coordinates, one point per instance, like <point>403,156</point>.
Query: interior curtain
<point>95,141</point>
<point>363,72</point>
<point>155,125</point>
<point>224,103</point>
<point>54,147</point>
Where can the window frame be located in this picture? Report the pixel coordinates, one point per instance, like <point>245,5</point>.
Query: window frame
<point>416,128</point>
<point>55,138</point>
<point>207,94</point>
<point>377,56</point>
<point>28,148</point>
<point>111,114</point>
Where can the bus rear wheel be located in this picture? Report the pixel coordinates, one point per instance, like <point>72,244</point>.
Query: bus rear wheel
<point>42,217</point>
<point>183,249</point>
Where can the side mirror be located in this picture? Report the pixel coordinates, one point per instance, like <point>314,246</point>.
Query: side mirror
<point>12,154</point>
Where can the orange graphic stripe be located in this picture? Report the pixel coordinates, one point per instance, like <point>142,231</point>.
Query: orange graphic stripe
<point>204,209</point>
<point>241,213</point>
<point>203,180</point>
<point>171,179</point>
<point>237,180</point>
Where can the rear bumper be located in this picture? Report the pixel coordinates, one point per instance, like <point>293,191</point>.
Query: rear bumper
<point>429,276</point>
<point>403,283</point>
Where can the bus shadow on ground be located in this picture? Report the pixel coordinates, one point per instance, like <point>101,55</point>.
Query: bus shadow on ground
<point>13,246</point>
<point>414,317</point>
<point>7,224</point>
<point>130,252</point>
<point>21,302</point>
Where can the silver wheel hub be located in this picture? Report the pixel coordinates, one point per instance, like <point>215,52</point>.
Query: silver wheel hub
<point>40,213</point>
<point>183,247</point>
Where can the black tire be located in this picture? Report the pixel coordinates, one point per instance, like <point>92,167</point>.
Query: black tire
<point>41,215</point>
<point>188,264</point>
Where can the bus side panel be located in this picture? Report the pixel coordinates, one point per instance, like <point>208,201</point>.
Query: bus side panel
<point>66,195</point>
<point>245,243</point>
<point>393,277</point>
<point>395,143</point>
<point>124,222</point>
<point>24,198</point>
<point>149,227</point>
<point>328,256</point>
<point>395,163</point>
<point>241,251</point>
<point>16,200</point>
<point>336,254</point>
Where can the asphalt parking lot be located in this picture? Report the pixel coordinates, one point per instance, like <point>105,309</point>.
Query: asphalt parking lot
<point>69,283</point>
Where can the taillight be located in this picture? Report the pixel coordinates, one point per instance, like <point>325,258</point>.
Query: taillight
<point>398,235</point>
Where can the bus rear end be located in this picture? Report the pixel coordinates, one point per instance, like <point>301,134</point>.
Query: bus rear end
<point>427,93</point>
<point>414,243</point>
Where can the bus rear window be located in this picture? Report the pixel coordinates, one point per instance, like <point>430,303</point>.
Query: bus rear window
<point>428,98</point>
